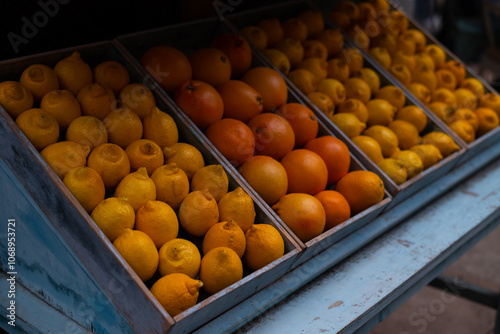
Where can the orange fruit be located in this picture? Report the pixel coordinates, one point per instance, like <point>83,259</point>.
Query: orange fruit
<point>323,102</point>
<point>240,100</point>
<point>382,56</point>
<point>176,292</point>
<point>278,59</point>
<point>421,92</point>
<point>225,234</point>
<point>138,98</point>
<point>39,79</point>
<point>292,49</point>
<point>39,126</point>
<point>316,66</point>
<point>313,21</point>
<point>86,185</point>
<point>256,36</point>
<point>124,127</point>
<point>266,176</point>
<point>334,153</point>
<point>336,207</point>
<point>15,98</point>
<point>314,49</point>
<point>355,107</point>
<point>160,127</point>
<point>302,120</point>
<point>111,162</point>
<point>446,79</point>
<point>172,184</point>
<point>371,78</point>
<point>264,245</point>
<point>270,85</point>
<point>380,112</point>
<point>487,120</point>
<point>96,100</point>
<point>64,156</point>
<point>233,138</point>
<point>87,130</point>
<point>294,28</point>
<point>144,153</point>
<point>304,80</point>
<point>457,69</point>
<point>198,212</point>
<point>220,268</point>
<point>362,189</point>
<point>62,105</point>
<point>402,73</point>
<point>200,102</point>
<point>303,214</point>
<point>306,171</point>
<point>168,66</point>
<point>353,58</point>
<point>210,65</point>
<point>237,51</point>
<point>73,73</point>
<point>338,69</point>
<point>158,220</point>
<point>393,95</point>
<point>274,31</point>
<point>357,88</point>
<point>413,115</point>
<point>186,156</point>
<point>112,74</point>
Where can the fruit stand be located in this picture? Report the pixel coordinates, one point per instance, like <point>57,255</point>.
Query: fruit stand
<point>63,272</point>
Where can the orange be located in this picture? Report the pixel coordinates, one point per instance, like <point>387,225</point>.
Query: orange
<point>385,40</point>
<point>266,176</point>
<point>466,99</point>
<point>240,100</point>
<point>371,78</point>
<point>356,107</point>
<point>138,98</point>
<point>158,220</point>
<point>264,245</point>
<point>111,162</point>
<point>334,153</point>
<point>313,21</point>
<point>353,58</point>
<point>380,112</point>
<point>39,126</point>
<point>15,98</point>
<point>334,89</point>
<point>73,73</point>
<point>233,138</point>
<point>39,79</point>
<point>413,115</point>
<point>487,120</point>
<point>382,56</point>
<point>124,127</point>
<point>278,59</point>
<point>200,102</point>
<point>237,51</point>
<point>210,65</point>
<point>316,66</point>
<point>274,31</point>
<point>370,147</point>
<point>302,120</point>
<point>421,92</point>
<point>274,136</point>
<point>86,185</point>
<point>338,69</point>
<point>225,234</point>
<point>220,268</point>
<point>303,214</point>
<point>137,188</point>
<point>491,101</point>
<point>402,73</point>
<point>256,36</point>
<point>96,100</point>
<point>64,156</point>
<point>144,153</point>
<point>314,49</point>
<point>362,189</point>
<point>62,105</point>
<point>446,79</point>
<point>304,80</point>
<point>139,251</point>
<point>270,85</point>
<point>172,184</point>
<point>457,69</point>
<point>437,54</point>
<point>176,292</point>
<point>186,156</point>
<point>87,130</point>
<point>292,49</point>
<point>393,95</point>
<point>444,95</point>
<point>306,171</point>
<point>168,66</point>
<point>332,39</point>
<point>294,28</point>
<point>323,102</point>
<point>406,132</point>
<point>237,205</point>
<point>336,207</point>
<point>179,256</point>
<point>112,216</point>
<point>112,74</point>
<point>160,127</point>
<point>474,85</point>
<point>357,88</point>
<point>198,212</point>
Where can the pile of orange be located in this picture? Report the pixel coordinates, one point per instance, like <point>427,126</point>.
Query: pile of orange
<point>120,157</point>
<point>436,79</point>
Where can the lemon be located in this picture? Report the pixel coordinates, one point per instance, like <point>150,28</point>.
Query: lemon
<point>411,161</point>
<point>64,156</point>
<point>487,120</point>
<point>442,141</point>
<point>39,126</point>
<point>113,215</point>
<point>386,138</point>
<point>380,112</point>
<point>237,205</point>
<point>172,184</point>
<point>198,212</point>
<point>429,154</point>
<point>357,88</point>
<point>371,78</point>
<point>421,92</point>
<point>414,115</point>
<point>186,156</point>
<point>474,85</point>
<point>323,102</point>
<point>256,36</point>
<point>304,80</point>
<point>225,234</point>
<point>139,251</point>
<point>62,105</point>
<point>176,292</point>
<point>465,114</point>
<point>464,130</point>
<point>370,147</point>
<point>111,74</point>
<point>402,73</point>
<point>111,162</point>
<point>158,220</point>
<point>349,124</point>
<point>137,97</point>
<point>160,127</point>
<point>15,98</point>
<point>145,153</point>
<point>444,95</point>
<point>96,100</point>
<point>489,100</point>
<point>86,185</point>
<point>220,268</point>
<point>393,95</point>
<point>73,73</point>
<point>441,110</point>
<point>87,130</point>
<point>264,245</point>
<point>137,188</point>
<point>213,178</point>
<point>179,256</point>
<point>39,79</point>
<point>406,132</point>
<point>124,127</point>
<point>334,89</point>
<point>466,99</point>
<point>355,107</point>
<point>395,170</point>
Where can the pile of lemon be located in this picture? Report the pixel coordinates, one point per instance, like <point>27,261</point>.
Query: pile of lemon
<point>119,155</point>
<point>434,78</point>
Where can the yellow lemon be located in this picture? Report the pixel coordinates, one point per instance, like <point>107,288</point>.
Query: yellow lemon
<point>386,138</point>
<point>172,184</point>
<point>264,245</point>
<point>357,88</point>
<point>442,141</point>
<point>414,115</point>
<point>160,128</point>
<point>491,101</point>
<point>179,256</point>
<point>39,79</point>
<point>323,102</point>
<point>124,127</point>
<point>304,80</point>
<point>474,85</point>
<point>371,78</point>
<point>113,215</point>
<point>370,147</point>
<point>411,161</point>
<point>137,97</point>
<point>355,107</point>
<point>316,66</point>
<point>62,105</point>
<point>15,98</point>
<point>444,95</point>
<point>237,205</point>
<point>466,98</point>
<point>220,268</point>
<point>334,89</point>
<point>176,292</point>
<point>225,234</point>
<point>394,169</point>
<point>158,220</point>
<point>87,130</point>
<point>402,73</point>
<point>198,212</point>
<point>39,126</point>
<point>213,178</point>
<point>437,54</point>
<point>137,188</point>
<point>421,92</point>
<point>65,155</point>
<point>464,130</point>
<point>73,73</point>
<point>428,153</point>
<point>96,100</point>
<point>487,120</point>
<point>111,162</point>
<point>111,74</point>
<point>464,114</point>
<point>406,132</point>
<point>145,153</point>
<point>278,59</point>
<point>349,124</point>
<point>380,112</point>
<point>446,79</point>
<point>255,35</point>
<point>86,185</point>
<point>186,156</point>
<point>393,95</point>
<point>338,69</point>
